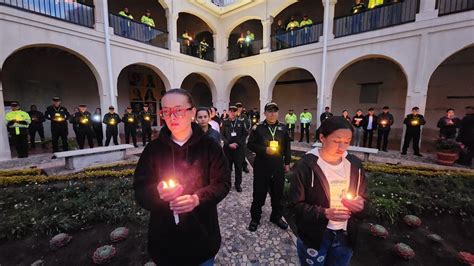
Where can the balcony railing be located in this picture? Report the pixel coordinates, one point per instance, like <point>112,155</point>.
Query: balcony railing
<point>377,18</point>
<point>66,10</point>
<point>137,31</point>
<point>447,7</point>
<point>198,50</point>
<point>245,49</point>
<point>297,37</point>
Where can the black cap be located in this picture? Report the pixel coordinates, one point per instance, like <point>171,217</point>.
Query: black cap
<point>111,108</point>
<point>56,99</point>
<point>291,110</point>
<point>239,105</point>
<point>271,106</point>
<point>82,105</point>
<point>371,109</point>
<point>128,107</point>
<point>385,107</point>
<point>13,104</point>
<point>415,108</point>
<point>233,108</point>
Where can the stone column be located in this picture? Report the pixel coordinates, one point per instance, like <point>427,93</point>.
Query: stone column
<point>172,20</point>
<point>267,31</point>
<point>329,18</point>
<point>427,10</point>
<point>4,145</point>
<point>220,48</point>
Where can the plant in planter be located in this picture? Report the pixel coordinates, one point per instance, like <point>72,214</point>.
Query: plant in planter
<point>448,151</point>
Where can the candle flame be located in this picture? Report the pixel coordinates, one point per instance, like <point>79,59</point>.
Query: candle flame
<point>349,196</point>
<point>171,183</point>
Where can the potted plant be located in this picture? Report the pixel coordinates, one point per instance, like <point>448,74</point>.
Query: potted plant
<point>448,151</point>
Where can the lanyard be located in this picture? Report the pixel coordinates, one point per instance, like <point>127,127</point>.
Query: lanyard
<point>233,125</point>
<point>272,132</point>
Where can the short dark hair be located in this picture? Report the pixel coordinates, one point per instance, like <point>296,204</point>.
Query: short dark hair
<point>385,107</point>
<point>359,110</point>
<point>371,109</point>
<point>450,109</point>
<point>327,107</point>
<point>203,109</point>
<point>334,123</point>
<point>181,92</point>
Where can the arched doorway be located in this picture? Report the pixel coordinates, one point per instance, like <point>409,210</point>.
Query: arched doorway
<point>297,89</point>
<point>245,90</point>
<point>246,39</point>
<point>35,74</point>
<point>372,83</point>
<point>192,31</point>
<point>200,89</point>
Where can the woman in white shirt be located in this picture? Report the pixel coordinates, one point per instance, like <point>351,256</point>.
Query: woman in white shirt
<point>327,197</point>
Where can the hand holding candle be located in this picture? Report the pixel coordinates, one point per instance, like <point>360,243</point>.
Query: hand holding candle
<point>169,192</point>
<point>354,204</point>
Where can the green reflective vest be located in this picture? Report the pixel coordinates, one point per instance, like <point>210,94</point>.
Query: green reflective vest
<point>123,14</point>
<point>374,3</point>
<point>148,21</point>
<point>307,23</point>
<point>18,116</point>
<point>249,38</point>
<point>291,119</point>
<point>292,25</point>
<point>306,117</point>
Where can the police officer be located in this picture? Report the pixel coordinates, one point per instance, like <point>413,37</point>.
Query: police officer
<point>290,120</point>
<point>234,134</point>
<point>17,123</point>
<point>146,119</point>
<point>37,120</point>
<point>254,117</point>
<point>111,120</point>
<point>97,126</point>
<point>242,116</point>
<point>448,125</point>
<point>72,120</point>
<point>327,113</point>
<point>271,143</point>
<point>305,119</point>
<point>131,121</point>
<point>83,120</point>
<point>59,116</point>
<point>385,121</point>
<point>413,123</point>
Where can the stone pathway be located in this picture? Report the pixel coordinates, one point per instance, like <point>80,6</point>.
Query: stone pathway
<point>269,245</point>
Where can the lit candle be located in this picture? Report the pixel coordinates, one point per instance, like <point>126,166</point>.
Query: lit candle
<point>147,118</point>
<point>384,122</point>
<point>274,145</point>
<point>112,121</point>
<point>414,122</point>
<point>130,119</point>
<point>254,120</point>
<point>170,185</point>
<point>97,118</point>
<point>349,196</point>
<point>84,120</point>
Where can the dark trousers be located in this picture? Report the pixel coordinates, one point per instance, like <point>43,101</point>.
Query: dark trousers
<point>99,135</point>
<point>409,136</point>
<point>244,162</point>
<point>291,131</point>
<point>20,142</point>
<point>131,131</point>
<point>368,134</point>
<point>382,134</point>
<point>235,158</point>
<point>32,130</point>
<point>267,178</point>
<point>304,130</point>
<point>81,138</point>
<point>146,134</point>
<point>111,132</point>
<point>59,132</point>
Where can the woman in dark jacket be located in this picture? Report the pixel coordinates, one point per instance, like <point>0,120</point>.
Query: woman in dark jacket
<point>203,117</point>
<point>327,195</point>
<point>183,227</point>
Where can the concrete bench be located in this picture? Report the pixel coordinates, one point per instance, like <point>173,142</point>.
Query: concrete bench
<point>367,151</point>
<point>79,159</point>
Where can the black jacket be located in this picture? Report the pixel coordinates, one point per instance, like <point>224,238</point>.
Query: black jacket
<point>446,129</point>
<point>385,117</point>
<point>412,127</point>
<point>365,122</point>
<point>146,118</point>
<point>130,120</point>
<point>466,131</point>
<point>237,126</point>
<point>201,167</point>
<point>108,119</point>
<point>324,116</point>
<point>260,139</point>
<point>213,134</point>
<point>357,118</point>
<point>37,118</point>
<point>52,113</point>
<point>83,121</point>
<point>309,197</point>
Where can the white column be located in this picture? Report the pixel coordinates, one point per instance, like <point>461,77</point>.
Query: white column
<point>173,43</point>
<point>427,10</point>
<point>267,31</point>
<point>4,145</point>
<point>329,10</point>
<point>99,6</point>
<point>220,48</point>
<point>222,104</point>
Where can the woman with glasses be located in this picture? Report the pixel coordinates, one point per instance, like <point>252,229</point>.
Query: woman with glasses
<point>180,178</point>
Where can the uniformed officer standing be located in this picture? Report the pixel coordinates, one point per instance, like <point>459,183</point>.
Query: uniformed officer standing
<point>37,120</point>
<point>290,120</point>
<point>305,119</point>
<point>111,120</point>
<point>83,120</point>
<point>327,113</point>
<point>242,116</point>
<point>97,126</point>
<point>72,120</point>
<point>385,121</point>
<point>59,116</point>
<point>234,134</point>
<point>17,123</point>
<point>413,123</point>
<point>131,121</point>
<point>271,142</point>
<point>146,119</point>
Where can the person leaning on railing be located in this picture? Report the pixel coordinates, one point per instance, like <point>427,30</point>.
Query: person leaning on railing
<point>125,24</point>
<point>249,38</point>
<point>357,8</point>
<point>306,24</point>
<point>279,31</point>
<point>147,20</point>
<point>203,46</point>
<point>292,27</point>
<point>375,15</point>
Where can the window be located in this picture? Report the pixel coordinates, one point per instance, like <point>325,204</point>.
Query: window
<point>369,92</point>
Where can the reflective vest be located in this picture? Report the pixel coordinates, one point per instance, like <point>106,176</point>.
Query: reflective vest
<point>292,25</point>
<point>374,3</point>
<point>307,22</point>
<point>250,37</point>
<point>123,14</point>
<point>148,21</point>
<point>18,116</point>
<point>358,8</point>
<point>291,119</point>
<point>306,117</point>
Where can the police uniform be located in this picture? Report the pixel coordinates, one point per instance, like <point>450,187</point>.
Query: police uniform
<point>37,120</point>
<point>269,173</point>
<point>357,8</point>
<point>83,120</point>
<point>131,121</point>
<point>305,119</point>
<point>235,132</point>
<point>254,118</point>
<point>385,122</point>
<point>290,120</point>
<point>97,127</point>
<point>413,130</point>
<point>17,123</point>
<point>245,119</point>
<point>146,119</point>
<point>59,117</point>
<point>111,131</point>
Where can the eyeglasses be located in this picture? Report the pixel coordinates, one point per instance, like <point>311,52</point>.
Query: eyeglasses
<point>178,112</point>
